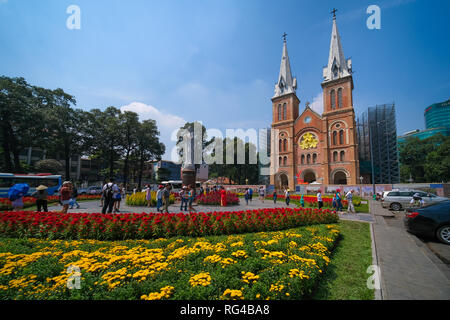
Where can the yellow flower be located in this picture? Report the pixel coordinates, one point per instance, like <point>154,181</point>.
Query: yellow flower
<point>201,279</point>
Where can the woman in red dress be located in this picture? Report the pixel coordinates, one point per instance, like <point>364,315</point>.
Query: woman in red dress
<point>223,197</point>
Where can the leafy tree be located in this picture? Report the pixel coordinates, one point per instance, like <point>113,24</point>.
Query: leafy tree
<point>103,132</point>
<point>236,172</point>
<point>148,146</point>
<point>200,144</point>
<point>128,132</point>
<point>21,120</point>
<point>425,160</point>
<point>48,165</point>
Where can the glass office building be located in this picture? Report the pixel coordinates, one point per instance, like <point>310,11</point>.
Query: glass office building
<point>437,120</point>
<point>438,115</point>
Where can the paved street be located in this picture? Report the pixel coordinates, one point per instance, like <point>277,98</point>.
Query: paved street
<point>409,269</point>
<point>94,206</point>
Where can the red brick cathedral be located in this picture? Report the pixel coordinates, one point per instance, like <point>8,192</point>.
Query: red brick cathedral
<point>311,147</point>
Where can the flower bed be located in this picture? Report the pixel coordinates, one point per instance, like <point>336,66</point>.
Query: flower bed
<point>55,225</point>
<point>140,199</point>
<point>213,199</point>
<point>5,203</point>
<point>267,265</point>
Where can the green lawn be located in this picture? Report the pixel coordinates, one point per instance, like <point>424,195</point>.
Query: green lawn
<point>346,277</point>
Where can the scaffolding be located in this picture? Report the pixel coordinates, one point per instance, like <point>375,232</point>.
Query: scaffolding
<point>377,140</point>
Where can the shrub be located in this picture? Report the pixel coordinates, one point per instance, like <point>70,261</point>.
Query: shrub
<point>140,199</point>
<point>213,198</point>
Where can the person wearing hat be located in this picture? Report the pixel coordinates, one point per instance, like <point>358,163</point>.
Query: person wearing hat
<point>41,195</point>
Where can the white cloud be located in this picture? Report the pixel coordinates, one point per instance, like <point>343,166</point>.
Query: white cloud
<point>317,104</point>
<point>167,123</point>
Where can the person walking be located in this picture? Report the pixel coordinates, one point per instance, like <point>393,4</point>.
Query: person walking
<point>41,195</point>
<point>274,196</point>
<point>102,200</point>
<point>16,194</point>
<point>183,198</point>
<point>191,196</point>
<point>319,198</point>
<point>338,200</point>
<point>165,198</point>
<point>350,207</point>
<point>246,195</point>
<point>66,194</point>
<point>108,200</point>
<point>287,196</point>
<point>73,200</point>
<point>250,193</point>
<point>262,193</point>
<point>117,195</point>
<point>223,197</point>
<point>159,202</point>
<point>148,195</point>
<point>334,202</point>
<point>302,201</point>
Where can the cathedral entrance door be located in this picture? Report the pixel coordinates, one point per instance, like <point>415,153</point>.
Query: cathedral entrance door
<point>340,178</point>
<point>309,177</point>
<point>284,182</point>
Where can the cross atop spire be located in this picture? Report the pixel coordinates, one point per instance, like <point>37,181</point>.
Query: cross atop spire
<point>286,83</point>
<point>334,13</point>
<point>338,66</point>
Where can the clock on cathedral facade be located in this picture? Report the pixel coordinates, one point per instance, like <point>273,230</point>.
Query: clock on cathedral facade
<point>314,147</point>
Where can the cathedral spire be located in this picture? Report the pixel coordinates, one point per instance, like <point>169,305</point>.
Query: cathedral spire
<point>338,66</point>
<point>286,83</point>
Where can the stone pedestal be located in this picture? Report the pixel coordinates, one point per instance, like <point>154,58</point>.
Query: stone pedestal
<point>188,176</point>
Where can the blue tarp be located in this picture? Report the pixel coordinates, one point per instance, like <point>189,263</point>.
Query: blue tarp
<point>18,190</point>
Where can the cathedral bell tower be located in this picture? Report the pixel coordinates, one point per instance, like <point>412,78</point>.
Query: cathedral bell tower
<point>339,115</point>
<point>285,110</point>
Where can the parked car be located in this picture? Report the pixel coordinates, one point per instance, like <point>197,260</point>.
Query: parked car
<point>430,221</point>
<point>398,200</point>
<point>93,190</point>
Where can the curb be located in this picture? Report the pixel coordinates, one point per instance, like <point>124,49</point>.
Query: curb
<point>378,292</point>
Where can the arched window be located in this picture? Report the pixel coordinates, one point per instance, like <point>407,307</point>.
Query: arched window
<point>279,113</point>
<point>279,161</point>
<point>285,161</point>
<point>341,137</point>
<point>314,158</point>
<point>285,145</point>
<point>333,99</point>
<point>308,159</point>
<point>334,138</point>
<point>284,111</point>
<point>335,156</point>
<point>340,98</point>
<point>280,145</point>
<point>303,159</point>
<point>342,155</point>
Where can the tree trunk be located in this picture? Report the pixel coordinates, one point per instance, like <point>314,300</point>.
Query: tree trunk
<point>141,169</point>
<point>6,150</point>
<point>125,168</point>
<point>111,161</point>
<point>15,151</point>
<point>67,160</point>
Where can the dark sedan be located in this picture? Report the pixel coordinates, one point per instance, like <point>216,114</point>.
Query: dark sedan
<point>430,221</point>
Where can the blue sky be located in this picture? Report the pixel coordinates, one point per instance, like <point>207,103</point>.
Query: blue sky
<point>217,60</point>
